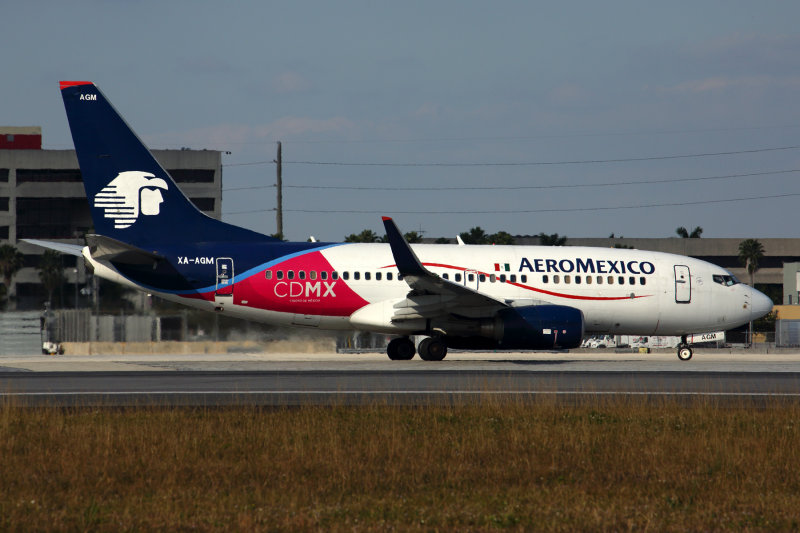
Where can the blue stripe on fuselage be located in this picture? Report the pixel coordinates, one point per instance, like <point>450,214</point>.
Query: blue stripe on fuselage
<point>176,278</point>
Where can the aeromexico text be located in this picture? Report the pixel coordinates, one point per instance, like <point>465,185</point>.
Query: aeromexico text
<point>586,266</point>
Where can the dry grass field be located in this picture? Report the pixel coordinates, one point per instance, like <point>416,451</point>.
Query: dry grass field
<point>603,465</point>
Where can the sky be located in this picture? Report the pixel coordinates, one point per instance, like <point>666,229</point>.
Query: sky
<point>580,118</point>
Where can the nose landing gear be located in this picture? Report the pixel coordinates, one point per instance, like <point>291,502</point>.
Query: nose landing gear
<point>684,351</point>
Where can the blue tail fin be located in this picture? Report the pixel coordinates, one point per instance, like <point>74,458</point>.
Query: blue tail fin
<point>131,197</point>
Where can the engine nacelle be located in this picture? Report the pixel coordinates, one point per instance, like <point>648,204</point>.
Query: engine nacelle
<point>537,327</point>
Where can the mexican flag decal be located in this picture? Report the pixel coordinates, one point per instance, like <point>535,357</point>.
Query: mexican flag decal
<point>505,267</point>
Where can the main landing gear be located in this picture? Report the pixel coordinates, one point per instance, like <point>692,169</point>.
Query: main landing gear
<point>430,349</point>
<point>401,349</point>
<point>684,352</point>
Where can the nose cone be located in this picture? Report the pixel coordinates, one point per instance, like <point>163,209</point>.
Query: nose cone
<point>760,304</point>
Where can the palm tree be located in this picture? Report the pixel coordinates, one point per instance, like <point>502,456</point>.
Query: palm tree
<point>552,240</point>
<point>684,233</point>
<point>365,236</point>
<point>51,272</point>
<point>750,253</point>
<point>11,261</point>
<point>412,237</point>
<point>501,237</point>
<point>475,235</point>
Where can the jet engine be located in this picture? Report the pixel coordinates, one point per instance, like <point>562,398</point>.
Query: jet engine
<point>532,327</point>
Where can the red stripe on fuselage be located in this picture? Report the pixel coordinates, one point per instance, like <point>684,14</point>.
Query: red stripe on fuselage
<point>534,289</point>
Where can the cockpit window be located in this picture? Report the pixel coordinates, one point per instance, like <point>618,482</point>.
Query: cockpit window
<point>726,280</point>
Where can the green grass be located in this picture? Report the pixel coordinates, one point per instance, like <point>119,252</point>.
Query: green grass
<point>603,465</point>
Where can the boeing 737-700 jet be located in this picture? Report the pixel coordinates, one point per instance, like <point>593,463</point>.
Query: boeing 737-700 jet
<point>149,236</point>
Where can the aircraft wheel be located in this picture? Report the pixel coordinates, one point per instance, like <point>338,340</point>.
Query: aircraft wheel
<point>432,349</point>
<point>684,353</point>
<point>400,349</point>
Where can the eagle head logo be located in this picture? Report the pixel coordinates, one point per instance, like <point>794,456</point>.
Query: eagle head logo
<point>129,195</point>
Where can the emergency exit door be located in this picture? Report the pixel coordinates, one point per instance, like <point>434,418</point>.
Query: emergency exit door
<point>683,284</point>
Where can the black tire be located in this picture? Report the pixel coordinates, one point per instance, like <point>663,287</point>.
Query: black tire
<point>400,349</point>
<point>684,353</point>
<point>432,349</point>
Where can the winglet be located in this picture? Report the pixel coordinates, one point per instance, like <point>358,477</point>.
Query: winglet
<point>404,257</point>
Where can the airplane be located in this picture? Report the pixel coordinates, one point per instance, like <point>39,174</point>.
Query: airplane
<point>149,236</point>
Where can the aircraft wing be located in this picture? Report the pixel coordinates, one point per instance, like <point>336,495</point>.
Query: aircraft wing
<point>61,247</point>
<point>431,295</point>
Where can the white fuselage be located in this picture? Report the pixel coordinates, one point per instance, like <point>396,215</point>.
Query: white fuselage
<point>356,286</point>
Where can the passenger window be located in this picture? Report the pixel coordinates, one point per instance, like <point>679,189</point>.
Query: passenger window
<point>458,278</point>
<point>492,278</point>
<point>279,274</point>
<point>577,280</point>
<point>567,279</point>
<point>345,275</point>
<point>621,280</point>
<point>367,275</point>
<point>632,280</point>
<point>290,274</point>
<point>446,276</point>
<point>556,278</point>
<point>323,275</point>
<point>268,274</point>
<point>588,280</point>
<point>599,280</point>
<point>544,278</point>
<point>482,277</point>
<point>312,274</point>
<point>513,278</point>
<point>399,277</point>
<point>470,277</point>
<point>378,276</point>
<point>642,280</point>
<point>610,280</point>
<point>301,274</point>
<point>334,275</point>
<point>524,278</point>
<point>388,276</point>
<point>502,278</point>
<point>356,275</point>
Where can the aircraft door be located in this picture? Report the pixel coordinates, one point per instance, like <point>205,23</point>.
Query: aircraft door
<point>224,277</point>
<point>683,284</point>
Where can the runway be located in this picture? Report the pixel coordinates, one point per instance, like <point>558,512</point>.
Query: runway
<point>357,379</point>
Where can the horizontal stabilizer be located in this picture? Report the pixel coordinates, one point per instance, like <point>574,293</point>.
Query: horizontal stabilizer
<point>61,247</point>
<point>107,249</point>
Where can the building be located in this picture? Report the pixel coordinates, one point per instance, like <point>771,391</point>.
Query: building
<point>42,197</point>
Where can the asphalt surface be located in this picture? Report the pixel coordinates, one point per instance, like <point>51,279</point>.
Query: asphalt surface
<point>356,379</point>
